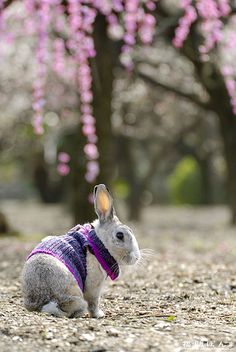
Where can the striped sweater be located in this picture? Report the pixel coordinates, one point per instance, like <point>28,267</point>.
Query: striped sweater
<point>71,249</point>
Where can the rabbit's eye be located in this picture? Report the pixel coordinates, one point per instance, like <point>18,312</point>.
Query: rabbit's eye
<point>120,236</point>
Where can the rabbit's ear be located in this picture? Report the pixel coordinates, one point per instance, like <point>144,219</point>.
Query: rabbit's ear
<point>103,203</point>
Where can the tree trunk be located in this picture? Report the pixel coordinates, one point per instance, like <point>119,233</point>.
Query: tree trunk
<point>82,209</point>
<point>135,204</point>
<point>128,171</point>
<point>4,226</point>
<point>228,131</point>
<point>205,169</point>
<point>103,78</point>
<point>220,102</point>
<point>211,78</point>
<point>102,70</point>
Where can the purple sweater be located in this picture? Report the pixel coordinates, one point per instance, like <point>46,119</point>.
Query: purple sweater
<point>71,250</point>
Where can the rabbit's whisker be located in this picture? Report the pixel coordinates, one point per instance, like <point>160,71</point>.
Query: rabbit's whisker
<point>146,255</point>
<point>147,251</point>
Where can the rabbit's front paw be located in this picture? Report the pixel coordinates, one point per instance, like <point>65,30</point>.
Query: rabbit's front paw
<point>97,314</point>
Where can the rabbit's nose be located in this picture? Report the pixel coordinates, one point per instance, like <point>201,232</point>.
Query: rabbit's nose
<point>137,256</point>
<point>134,256</point>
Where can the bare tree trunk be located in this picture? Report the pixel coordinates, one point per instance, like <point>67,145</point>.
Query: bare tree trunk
<point>212,80</point>
<point>128,170</point>
<point>4,226</point>
<point>220,103</point>
<point>210,77</point>
<point>228,131</point>
<point>102,69</point>
<point>82,209</point>
<point>103,84</point>
<point>205,169</point>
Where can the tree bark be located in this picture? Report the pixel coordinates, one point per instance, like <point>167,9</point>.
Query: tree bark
<point>228,131</point>
<point>128,171</point>
<point>4,226</point>
<point>102,70</point>
<point>103,78</point>
<point>212,80</point>
<point>220,103</point>
<point>82,209</point>
<point>227,122</point>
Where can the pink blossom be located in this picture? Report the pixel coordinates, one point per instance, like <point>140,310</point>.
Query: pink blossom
<point>88,130</point>
<point>91,151</point>
<point>128,20</point>
<point>231,86</point>
<point>86,109</point>
<point>42,20</point>
<point>224,7</point>
<point>151,5</point>
<point>207,8</point>
<point>63,169</point>
<point>227,70</point>
<point>93,166</point>
<point>185,23</point>
<point>89,177</point>
<point>63,157</point>
<point>38,124</point>
<point>92,138</point>
<point>117,5</point>
<point>92,171</point>
<point>147,29</point>
<point>129,39</point>
<point>112,19</point>
<point>86,97</point>
<point>115,31</point>
<point>88,119</point>
<point>91,198</point>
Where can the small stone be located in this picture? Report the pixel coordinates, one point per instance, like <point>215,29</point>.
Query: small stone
<point>87,337</point>
<point>99,349</point>
<point>91,327</point>
<point>73,340</point>
<point>129,340</point>
<point>48,335</point>
<point>127,298</point>
<point>142,312</point>
<point>162,325</point>
<point>113,332</point>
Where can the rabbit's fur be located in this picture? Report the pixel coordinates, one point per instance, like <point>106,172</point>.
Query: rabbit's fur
<point>48,285</point>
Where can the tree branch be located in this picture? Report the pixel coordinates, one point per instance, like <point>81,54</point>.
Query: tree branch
<point>7,3</point>
<point>190,97</point>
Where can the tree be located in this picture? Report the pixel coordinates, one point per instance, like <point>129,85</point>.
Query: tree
<point>78,25</point>
<point>215,76</point>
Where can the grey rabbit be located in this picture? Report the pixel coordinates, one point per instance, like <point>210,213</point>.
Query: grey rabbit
<point>64,275</point>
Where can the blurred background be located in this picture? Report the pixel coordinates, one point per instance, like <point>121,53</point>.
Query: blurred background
<point>166,132</point>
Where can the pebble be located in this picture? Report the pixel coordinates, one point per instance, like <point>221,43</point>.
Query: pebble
<point>87,337</point>
<point>129,340</point>
<point>162,325</point>
<point>112,332</point>
<point>48,335</point>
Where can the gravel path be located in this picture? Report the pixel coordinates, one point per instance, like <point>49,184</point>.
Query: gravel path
<point>183,298</point>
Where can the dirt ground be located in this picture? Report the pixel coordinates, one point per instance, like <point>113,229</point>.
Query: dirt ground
<point>183,298</point>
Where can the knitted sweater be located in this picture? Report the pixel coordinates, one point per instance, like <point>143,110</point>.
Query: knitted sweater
<point>71,250</point>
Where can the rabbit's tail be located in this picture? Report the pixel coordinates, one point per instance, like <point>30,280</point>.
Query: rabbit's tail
<point>53,309</point>
<point>49,307</point>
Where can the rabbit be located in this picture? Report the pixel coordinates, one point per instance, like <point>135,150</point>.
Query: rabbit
<point>49,285</point>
